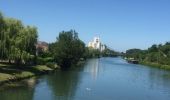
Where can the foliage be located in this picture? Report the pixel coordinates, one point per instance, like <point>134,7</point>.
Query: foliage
<point>17,42</point>
<point>43,61</point>
<point>159,54</point>
<point>68,49</point>
<point>109,53</point>
<point>91,53</point>
<point>52,65</point>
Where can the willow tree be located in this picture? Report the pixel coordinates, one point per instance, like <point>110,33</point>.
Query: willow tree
<point>25,44</point>
<point>2,23</point>
<point>13,27</point>
<point>31,39</point>
<point>17,42</point>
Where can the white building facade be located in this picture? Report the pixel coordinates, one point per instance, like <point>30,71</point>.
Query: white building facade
<point>96,44</point>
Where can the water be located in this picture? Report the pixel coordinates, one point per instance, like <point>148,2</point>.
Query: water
<point>98,79</point>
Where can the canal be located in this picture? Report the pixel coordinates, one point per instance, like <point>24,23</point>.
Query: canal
<point>97,79</point>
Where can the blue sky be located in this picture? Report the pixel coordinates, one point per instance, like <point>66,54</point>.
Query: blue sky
<point>121,24</point>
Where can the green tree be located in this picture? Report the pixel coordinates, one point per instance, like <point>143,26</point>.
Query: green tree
<point>134,53</point>
<point>2,36</point>
<point>68,49</point>
<point>17,42</point>
<point>153,48</point>
<point>159,54</point>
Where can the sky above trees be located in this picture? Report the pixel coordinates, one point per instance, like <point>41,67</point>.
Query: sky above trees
<point>121,24</point>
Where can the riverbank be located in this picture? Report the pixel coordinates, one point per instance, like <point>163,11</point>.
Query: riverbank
<point>155,65</point>
<point>10,73</point>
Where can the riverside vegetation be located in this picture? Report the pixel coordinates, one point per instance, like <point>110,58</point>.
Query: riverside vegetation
<point>18,52</point>
<point>156,56</point>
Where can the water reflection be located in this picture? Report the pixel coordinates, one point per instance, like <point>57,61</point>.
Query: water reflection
<point>19,91</point>
<point>159,79</point>
<point>64,84</point>
<point>98,79</point>
<point>92,66</point>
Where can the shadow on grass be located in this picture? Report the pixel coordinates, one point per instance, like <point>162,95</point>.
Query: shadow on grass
<point>9,71</point>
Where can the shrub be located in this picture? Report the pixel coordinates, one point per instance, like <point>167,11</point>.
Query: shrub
<point>43,61</point>
<point>51,65</point>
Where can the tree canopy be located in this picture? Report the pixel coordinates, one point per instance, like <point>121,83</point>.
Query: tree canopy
<point>17,42</point>
<point>156,54</point>
<point>68,49</point>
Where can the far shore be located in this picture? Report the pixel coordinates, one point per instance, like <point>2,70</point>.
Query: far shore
<point>156,65</point>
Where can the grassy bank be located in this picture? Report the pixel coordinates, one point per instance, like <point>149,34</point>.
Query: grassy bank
<point>10,73</point>
<point>156,65</point>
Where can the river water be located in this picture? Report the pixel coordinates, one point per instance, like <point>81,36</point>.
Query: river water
<point>97,79</point>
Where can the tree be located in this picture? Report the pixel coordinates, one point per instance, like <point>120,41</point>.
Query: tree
<point>2,36</point>
<point>26,41</point>
<point>13,28</point>
<point>134,53</point>
<point>153,48</point>
<point>68,49</point>
<point>17,42</point>
<point>159,54</point>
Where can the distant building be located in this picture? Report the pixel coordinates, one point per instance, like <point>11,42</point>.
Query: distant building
<point>96,44</point>
<point>103,47</point>
<point>41,47</point>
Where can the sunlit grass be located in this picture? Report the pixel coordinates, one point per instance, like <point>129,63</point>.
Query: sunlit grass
<point>156,65</point>
<point>4,77</point>
<point>11,73</point>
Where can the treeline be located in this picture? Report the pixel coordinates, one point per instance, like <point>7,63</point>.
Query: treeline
<point>94,53</point>
<point>17,41</point>
<point>69,49</point>
<point>158,54</point>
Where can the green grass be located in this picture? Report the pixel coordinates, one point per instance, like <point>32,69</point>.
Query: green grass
<point>156,65</point>
<point>1,65</point>
<point>43,68</point>
<point>12,73</point>
<point>24,74</point>
<point>4,77</point>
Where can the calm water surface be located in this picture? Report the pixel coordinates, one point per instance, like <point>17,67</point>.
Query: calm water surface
<point>98,79</point>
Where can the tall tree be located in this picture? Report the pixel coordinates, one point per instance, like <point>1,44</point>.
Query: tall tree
<point>69,49</point>
<point>2,36</point>
<point>17,42</point>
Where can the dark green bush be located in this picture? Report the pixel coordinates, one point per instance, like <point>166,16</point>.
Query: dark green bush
<point>43,61</point>
<point>51,65</point>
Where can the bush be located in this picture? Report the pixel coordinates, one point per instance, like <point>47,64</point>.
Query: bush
<point>51,65</point>
<point>43,61</point>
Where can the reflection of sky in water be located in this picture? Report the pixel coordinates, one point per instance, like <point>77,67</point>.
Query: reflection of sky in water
<point>134,81</point>
<point>92,67</point>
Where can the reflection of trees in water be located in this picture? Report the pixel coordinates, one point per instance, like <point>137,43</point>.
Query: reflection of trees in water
<point>24,92</point>
<point>17,94</point>
<point>64,84</point>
